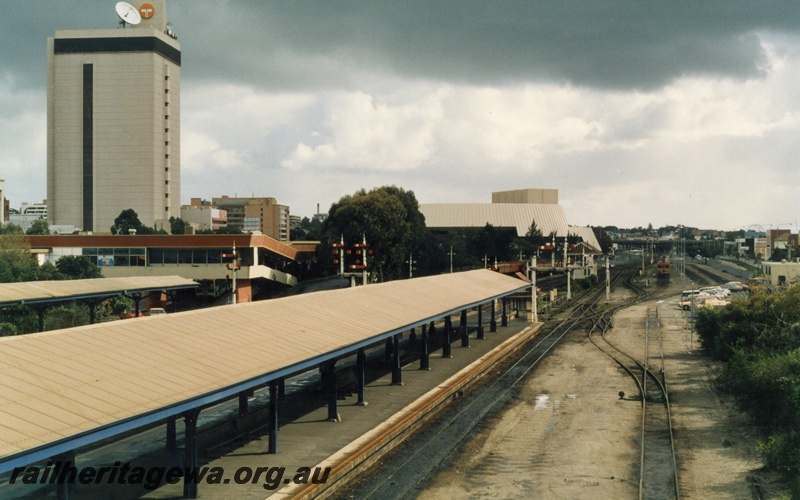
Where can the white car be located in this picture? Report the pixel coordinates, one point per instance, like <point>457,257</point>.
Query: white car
<point>156,311</point>
<point>717,291</point>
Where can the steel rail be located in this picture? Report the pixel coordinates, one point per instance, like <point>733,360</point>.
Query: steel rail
<point>495,392</point>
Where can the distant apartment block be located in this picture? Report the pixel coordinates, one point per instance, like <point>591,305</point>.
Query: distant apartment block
<point>202,216</point>
<point>256,214</point>
<point>28,213</point>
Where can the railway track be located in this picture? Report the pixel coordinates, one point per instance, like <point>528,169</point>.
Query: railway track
<point>405,472</point>
<point>658,471</point>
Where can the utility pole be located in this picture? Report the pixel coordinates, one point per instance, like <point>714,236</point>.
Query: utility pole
<point>569,284</point>
<point>534,298</point>
<point>644,249</point>
<point>411,263</point>
<point>364,254</point>
<point>235,269</point>
<point>232,266</point>
<point>567,270</point>
<point>451,259</point>
<point>608,281</point>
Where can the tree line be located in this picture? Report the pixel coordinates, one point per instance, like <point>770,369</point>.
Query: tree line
<point>18,264</point>
<point>389,220</point>
<point>758,338</point>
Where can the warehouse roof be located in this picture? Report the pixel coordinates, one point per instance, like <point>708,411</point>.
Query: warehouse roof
<point>64,389</point>
<point>548,217</point>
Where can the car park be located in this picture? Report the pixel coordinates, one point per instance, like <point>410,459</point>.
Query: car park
<point>734,286</point>
<point>717,291</point>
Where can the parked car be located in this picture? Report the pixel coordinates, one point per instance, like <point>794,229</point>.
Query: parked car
<point>735,286</point>
<point>717,291</point>
<point>131,314</point>
<point>155,311</point>
<point>699,299</point>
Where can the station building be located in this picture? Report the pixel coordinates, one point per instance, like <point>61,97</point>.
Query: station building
<point>268,267</point>
<point>113,122</point>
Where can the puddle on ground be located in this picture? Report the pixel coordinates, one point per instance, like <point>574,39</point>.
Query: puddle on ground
<point>541,402</point>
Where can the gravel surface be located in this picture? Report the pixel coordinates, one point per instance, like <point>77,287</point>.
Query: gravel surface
<point>567,434</point>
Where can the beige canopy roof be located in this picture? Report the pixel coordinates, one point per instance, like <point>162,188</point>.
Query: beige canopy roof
<point>46,291</point>
<point>67,388</point>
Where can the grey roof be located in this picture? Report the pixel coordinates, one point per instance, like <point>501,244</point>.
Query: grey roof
<point>49,291</point>
<point>68,388</point>
<point>548,217</point>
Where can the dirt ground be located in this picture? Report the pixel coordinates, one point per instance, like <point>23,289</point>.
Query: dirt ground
<point>569,435</point>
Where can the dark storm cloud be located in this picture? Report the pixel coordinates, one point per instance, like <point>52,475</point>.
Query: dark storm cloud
<point>303,44</point>
<point>606,44</point>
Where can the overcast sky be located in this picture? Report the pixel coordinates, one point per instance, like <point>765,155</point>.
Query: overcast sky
<point>658,112</point>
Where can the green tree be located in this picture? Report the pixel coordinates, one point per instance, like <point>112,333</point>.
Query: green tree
<point>17,263</point>
<point>528,244</point>
<point>39,227</point>
<point>77,267</point>
<point>10,228</point>
<point>177,225</point>
<point>390,220</point>
<point>128,219</point>
<point>492,243</point>
<point>311,230</point>
<point>606,244</point>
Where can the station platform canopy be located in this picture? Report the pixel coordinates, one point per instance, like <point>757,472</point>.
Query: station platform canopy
<point>38,292</point>
<point>64,389</point>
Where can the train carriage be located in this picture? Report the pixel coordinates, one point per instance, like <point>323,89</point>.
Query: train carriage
<point>662,268</point>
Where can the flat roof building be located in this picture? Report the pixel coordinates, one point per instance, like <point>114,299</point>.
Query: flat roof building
<point>113,122</point>
<point>256,214</point>
<point>266,264</point>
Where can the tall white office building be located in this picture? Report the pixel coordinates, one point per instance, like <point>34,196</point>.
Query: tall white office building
<point>113,122</point>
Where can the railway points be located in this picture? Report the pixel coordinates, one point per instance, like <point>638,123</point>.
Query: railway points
<point>572,435</point>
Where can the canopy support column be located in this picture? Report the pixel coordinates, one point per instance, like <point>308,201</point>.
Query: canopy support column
<point>448,325</point>
<point>480,323</point>
<point>190,453</point>
<point>464,330</point>
<point>272,447</point>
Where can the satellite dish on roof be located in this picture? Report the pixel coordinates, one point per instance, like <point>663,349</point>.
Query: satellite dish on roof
<point>127,13</point>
